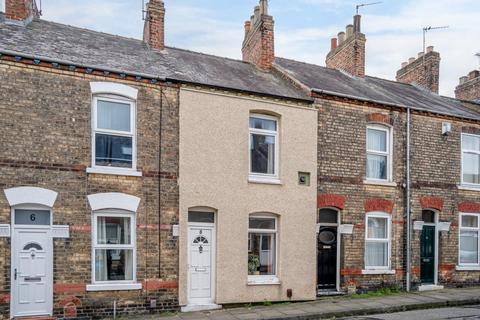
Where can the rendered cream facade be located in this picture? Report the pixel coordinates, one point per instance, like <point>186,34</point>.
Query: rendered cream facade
<point>214,171</point>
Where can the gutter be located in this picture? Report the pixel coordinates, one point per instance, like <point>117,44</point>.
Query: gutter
<point>70,63</point>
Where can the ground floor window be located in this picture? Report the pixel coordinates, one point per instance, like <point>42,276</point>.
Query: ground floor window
<point>262,239</point>
<point>377,241</point>
<point>469,239</point>
<point>113,247</point>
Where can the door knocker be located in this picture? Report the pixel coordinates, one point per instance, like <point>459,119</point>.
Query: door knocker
<point>32,254</point>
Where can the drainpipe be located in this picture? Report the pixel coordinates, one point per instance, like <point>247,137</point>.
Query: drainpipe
<point>407,206</point>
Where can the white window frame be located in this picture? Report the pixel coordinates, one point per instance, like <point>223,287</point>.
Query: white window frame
<point>389,145</point>
<point>261,177</point>
<point>468,184</point>
<point>264,279</point>
<point>374,240</point>
<point>132,134</point>
<point>477,229</point>
<point>122,284</point>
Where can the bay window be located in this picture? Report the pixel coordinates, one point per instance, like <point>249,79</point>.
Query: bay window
<point>470,159</point>
<point>469,240</point>
<point>378,153</point>
<point>377,241</point>
<point>263,141</point>
<point>262,247</point>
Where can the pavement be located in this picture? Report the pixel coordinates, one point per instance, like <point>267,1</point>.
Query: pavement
<point>338,307</point>
<point>452,313</point>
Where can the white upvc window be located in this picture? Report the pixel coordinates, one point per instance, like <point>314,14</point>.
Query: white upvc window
<point>263,147</point>
<point>378,241</point>
<point>470,159</point>
<point>262,249</point>
<point>113,134</point>
<point>379,153</point>
<point>114,248</point>
<point>469,236</point>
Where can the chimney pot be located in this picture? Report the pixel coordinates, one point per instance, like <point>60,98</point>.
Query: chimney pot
<point>333,43</point>
<point>429,49</point>
<point>404,64</point>
<point>463,79</point>
<point>256,14</point>
<point>349,30</point>
<point>473,74</point>
<point>264,7</point>
<point>420,54</point>
<point>248,25</point>
<point>341,37</point>
<point>412,59</point>
<point>357,23</point>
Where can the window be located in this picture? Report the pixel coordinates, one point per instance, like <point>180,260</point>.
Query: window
<point>469,239</point>
<point>470,159</point>
<point>262,246</point>
<point>378,153</point>
<point>113,135</point>
<point>114,249</point>
<point>328,216</point>
<point>377,241</point>
<point>263,146</point>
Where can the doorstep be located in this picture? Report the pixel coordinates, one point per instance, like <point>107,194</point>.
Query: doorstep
<point>429,287</point>
<point>201,307</point>
<point>35,318</point>
<point>329,293</point>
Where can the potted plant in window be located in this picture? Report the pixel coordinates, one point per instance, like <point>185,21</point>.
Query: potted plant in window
<point>253,264</point>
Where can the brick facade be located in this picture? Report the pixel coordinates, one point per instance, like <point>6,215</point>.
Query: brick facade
<point>154,28</point>
<point>20,10</point>
<point>348,53</point>
<point>469,87</point>
<point>46,142</point>
<point>423,71</point>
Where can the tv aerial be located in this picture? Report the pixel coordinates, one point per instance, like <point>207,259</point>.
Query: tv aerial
<point>366,4</point>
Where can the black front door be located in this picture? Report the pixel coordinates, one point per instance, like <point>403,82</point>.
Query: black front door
<point>327,258</point>
<point>427,255</point>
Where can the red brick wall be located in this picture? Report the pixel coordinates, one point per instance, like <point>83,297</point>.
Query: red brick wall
<point>20,9</point>
<point>154,29</point>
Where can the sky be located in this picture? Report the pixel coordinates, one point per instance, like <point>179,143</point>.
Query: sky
<point>303,28</point>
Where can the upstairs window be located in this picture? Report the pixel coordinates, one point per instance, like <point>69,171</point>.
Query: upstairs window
<point>263,146</point>
<point>114,132</point>
<point>378,153</point>
<point>470,159</point>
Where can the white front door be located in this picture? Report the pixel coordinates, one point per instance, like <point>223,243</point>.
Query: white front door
<point>32,269</point>
<point>200,261</point>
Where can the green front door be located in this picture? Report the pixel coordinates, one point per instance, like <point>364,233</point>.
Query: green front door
<point>427,255</point>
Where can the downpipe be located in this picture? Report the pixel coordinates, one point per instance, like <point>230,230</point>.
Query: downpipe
<point>408,206</point>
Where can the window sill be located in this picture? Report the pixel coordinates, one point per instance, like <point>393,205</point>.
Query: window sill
<point>115,171</point>
<point>378,271</point>
<point>468,187</point>
<point>264,180</point>
<point>114,287</point>
<point>467,268</point>
<point>380,183</point>
<point>262,280</point>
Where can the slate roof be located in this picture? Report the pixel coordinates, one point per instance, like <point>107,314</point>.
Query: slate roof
<point>82,47</point>
<point>331,81</point>
<point>87,48</point>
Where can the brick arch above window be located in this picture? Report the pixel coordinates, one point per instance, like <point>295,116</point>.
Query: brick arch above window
<point>427,202</point>
<point>331,200</point>
<point>380,118</point>
<point>471,130</point>
<point>378,205</point>
<point>469,207</point>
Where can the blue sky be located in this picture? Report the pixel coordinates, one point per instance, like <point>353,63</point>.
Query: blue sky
<point>303,28</point>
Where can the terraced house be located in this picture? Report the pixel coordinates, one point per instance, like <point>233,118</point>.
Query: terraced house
<point>141,178</point>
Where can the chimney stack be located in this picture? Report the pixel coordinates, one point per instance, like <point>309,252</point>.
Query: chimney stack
<point>469,87</point>
<point>21,12</point>
<point>423,71</point>
<point>258,46</point>
<point>154,28</point>
<point>349,55</point>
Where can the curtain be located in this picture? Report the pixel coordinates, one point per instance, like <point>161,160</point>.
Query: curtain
<point>471,168</point>
<point>376,166</point>
<point>113,116</point>
<point>376,254</point>
<point>468,246</point>
<point>377,140</point>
